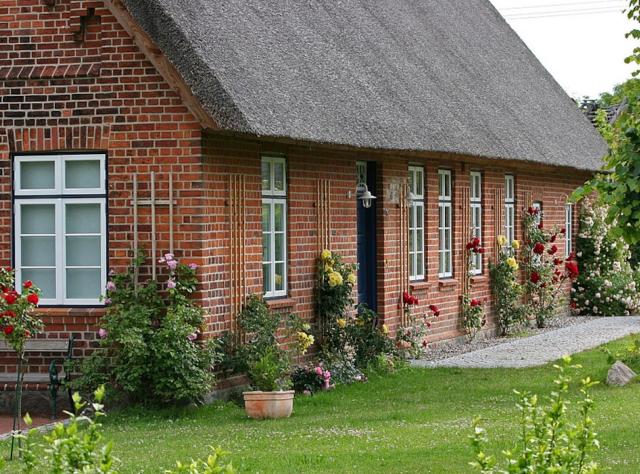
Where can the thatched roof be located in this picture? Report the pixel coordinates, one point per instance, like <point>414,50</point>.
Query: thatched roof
<point>418,75</point>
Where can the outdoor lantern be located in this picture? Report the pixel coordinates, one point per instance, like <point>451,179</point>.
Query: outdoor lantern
<point>366,197</point>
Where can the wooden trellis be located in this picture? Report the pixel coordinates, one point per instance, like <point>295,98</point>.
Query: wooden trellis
<point>237,257</point>
<point>467,234</point>
<point>323,201</point>
<point>153,202</point>
<point>403,245</point>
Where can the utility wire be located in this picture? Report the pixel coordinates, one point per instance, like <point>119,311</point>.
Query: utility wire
<point>565,4</point>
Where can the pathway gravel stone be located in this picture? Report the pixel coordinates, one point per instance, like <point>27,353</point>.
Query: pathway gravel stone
<point>543,348</point>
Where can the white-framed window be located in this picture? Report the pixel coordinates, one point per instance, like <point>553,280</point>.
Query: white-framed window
<point>274,226</point>
<point>509,209</point>
<point>60,238</point>
<point>416,223</point>
<point>568,226</point>
<point>475,193</point>
<point>445,224</point>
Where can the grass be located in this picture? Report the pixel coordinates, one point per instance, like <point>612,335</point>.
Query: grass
<point>417,420</point>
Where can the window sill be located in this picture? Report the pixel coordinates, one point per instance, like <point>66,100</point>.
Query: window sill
<point>279,303</point>
<point>449,283</point>
<point>93,311</point>
<point>419,285</point>
<point>478,279</point>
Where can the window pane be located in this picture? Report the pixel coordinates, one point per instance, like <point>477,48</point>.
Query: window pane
<point>412,271</point>
<point>266,217</point>
<point>447,262</point>
<point>419,185</point>
<point>411,239</point>
<point>38,219</point>
<point>419,216</point>
<point>83,283</point>
<point>411,217</point>
<point>279,217</point>
<point>37,175</point>
<point>45,279</point>
<point>266,247</point>
<point>82,174</point>
<point>266,175</point>
<point>83,251</point>
<point>279,277</point>
<point>420,264</point>
<point>419,240</point>
<point>278,176</point>
<point>266,277</point>
<point>447,217</point>
<point>82,218</point>
<point>279,247</point>
<point>38,251</point>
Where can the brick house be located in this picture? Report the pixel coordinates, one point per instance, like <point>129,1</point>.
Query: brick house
<point>260,123</point>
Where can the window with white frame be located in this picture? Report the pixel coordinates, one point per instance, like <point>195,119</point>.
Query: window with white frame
<point>568,226</point>
<point>476,216</point>
<point>61,226</point>
<point>416,223</point>
<point>274,226</point>
<point>509,208</point>
<point>445,226</point>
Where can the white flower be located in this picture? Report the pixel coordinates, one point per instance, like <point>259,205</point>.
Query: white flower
<point>595,309</point>
<point>598,295</point>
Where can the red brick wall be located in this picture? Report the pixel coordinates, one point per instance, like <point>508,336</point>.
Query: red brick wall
<point>71,79</point>
<point>308,164</point>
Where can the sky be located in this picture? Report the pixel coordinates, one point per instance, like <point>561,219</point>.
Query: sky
<point>581,43</point>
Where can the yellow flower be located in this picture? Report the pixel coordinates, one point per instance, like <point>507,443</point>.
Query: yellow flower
<point>325,255</point>
<point>512,263</point>
<point>502,240</point>
<point>385,329</point>
<point>342,323</point>
<point>351,278</point>
<point>306,327</point>
<point>335,279</point>
<point>304,341</point>
<point>515,244</point>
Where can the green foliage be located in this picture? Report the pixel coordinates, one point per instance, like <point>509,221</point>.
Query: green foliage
<point>367,338</point>
<point>214,464</point>
<point>310,379</point>
<point>77,447</point>
<point>606,285</point>
<point>149,349</point>
<point>629,354</point>
<point>473,317</point>
<point>543,268</point>
<point>628,90</point>
<point>334,292</point>
<point>549,442</point>
<point>618,186</point>
<point>507,291</point>
<point>17,319</point>
<point>269,372</point>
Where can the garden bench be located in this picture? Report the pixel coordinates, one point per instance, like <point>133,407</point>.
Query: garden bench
<point>57,375</point>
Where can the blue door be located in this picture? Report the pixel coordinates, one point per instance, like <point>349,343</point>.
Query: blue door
<point>367,272</point>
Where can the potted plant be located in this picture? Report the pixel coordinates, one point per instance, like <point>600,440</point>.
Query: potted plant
<point>269,376</point>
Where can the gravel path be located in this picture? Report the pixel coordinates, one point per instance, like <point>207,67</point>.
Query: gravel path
<point>542,348</point>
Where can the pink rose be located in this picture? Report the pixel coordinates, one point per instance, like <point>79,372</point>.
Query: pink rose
<point>193,336</point>
<point>111,286</point>
<point>171,284</point>
<point>103,333</point>
<point>319,371</point>
<point>172,264</point>
<point>193,266</point>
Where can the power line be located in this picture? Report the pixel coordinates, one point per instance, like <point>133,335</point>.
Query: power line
<point>565,4</point>
<point>557,13</point>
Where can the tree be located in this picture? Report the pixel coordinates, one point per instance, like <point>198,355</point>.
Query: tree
<point>618,185</point>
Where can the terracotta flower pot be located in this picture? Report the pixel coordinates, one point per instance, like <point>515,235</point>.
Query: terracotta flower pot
<point>260,405</point>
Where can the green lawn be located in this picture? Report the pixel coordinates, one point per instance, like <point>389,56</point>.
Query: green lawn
<point>413,421</point>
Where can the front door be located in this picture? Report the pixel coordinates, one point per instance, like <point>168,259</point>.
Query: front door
<point>366,172</point>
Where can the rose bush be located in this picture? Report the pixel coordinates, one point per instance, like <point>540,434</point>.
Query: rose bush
<point>506,288</point>
<point>473,314</point>
<point>150,340</point>
<point>607,284</point>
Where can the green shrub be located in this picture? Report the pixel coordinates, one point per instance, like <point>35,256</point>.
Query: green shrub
<point>149,348</point>
<point>269,372</point>
<point>548,442</point>
<point>506,289</point>
<point>630,355</point>
<point>214,464</point>
<point>367,338</point>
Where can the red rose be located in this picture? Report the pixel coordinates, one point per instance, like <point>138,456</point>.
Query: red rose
<point>33,299</point>
<point>27,333</point>
<point>572,256</point>
<point>563,231</point>
<point>552,250</point>
<point>406,297</point>
<point>532,211</point>
<point>476,241</point>
<point>553,238</point>
<point>8,330</point>
<point>428,324</point>
<point>469,245</point>
<point>557,261</point>
<point>9,314</point>
<point>10,297</point>
<point>475,302</point>
<point>538,248</point>
<point>27,284</point>
<point>435,310</point>
<point>413,300</point>
<point>481,250</point>
<point>573,305</point>
<point>535,277</point>
<point>572,269</point>
<point>540,225</point>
